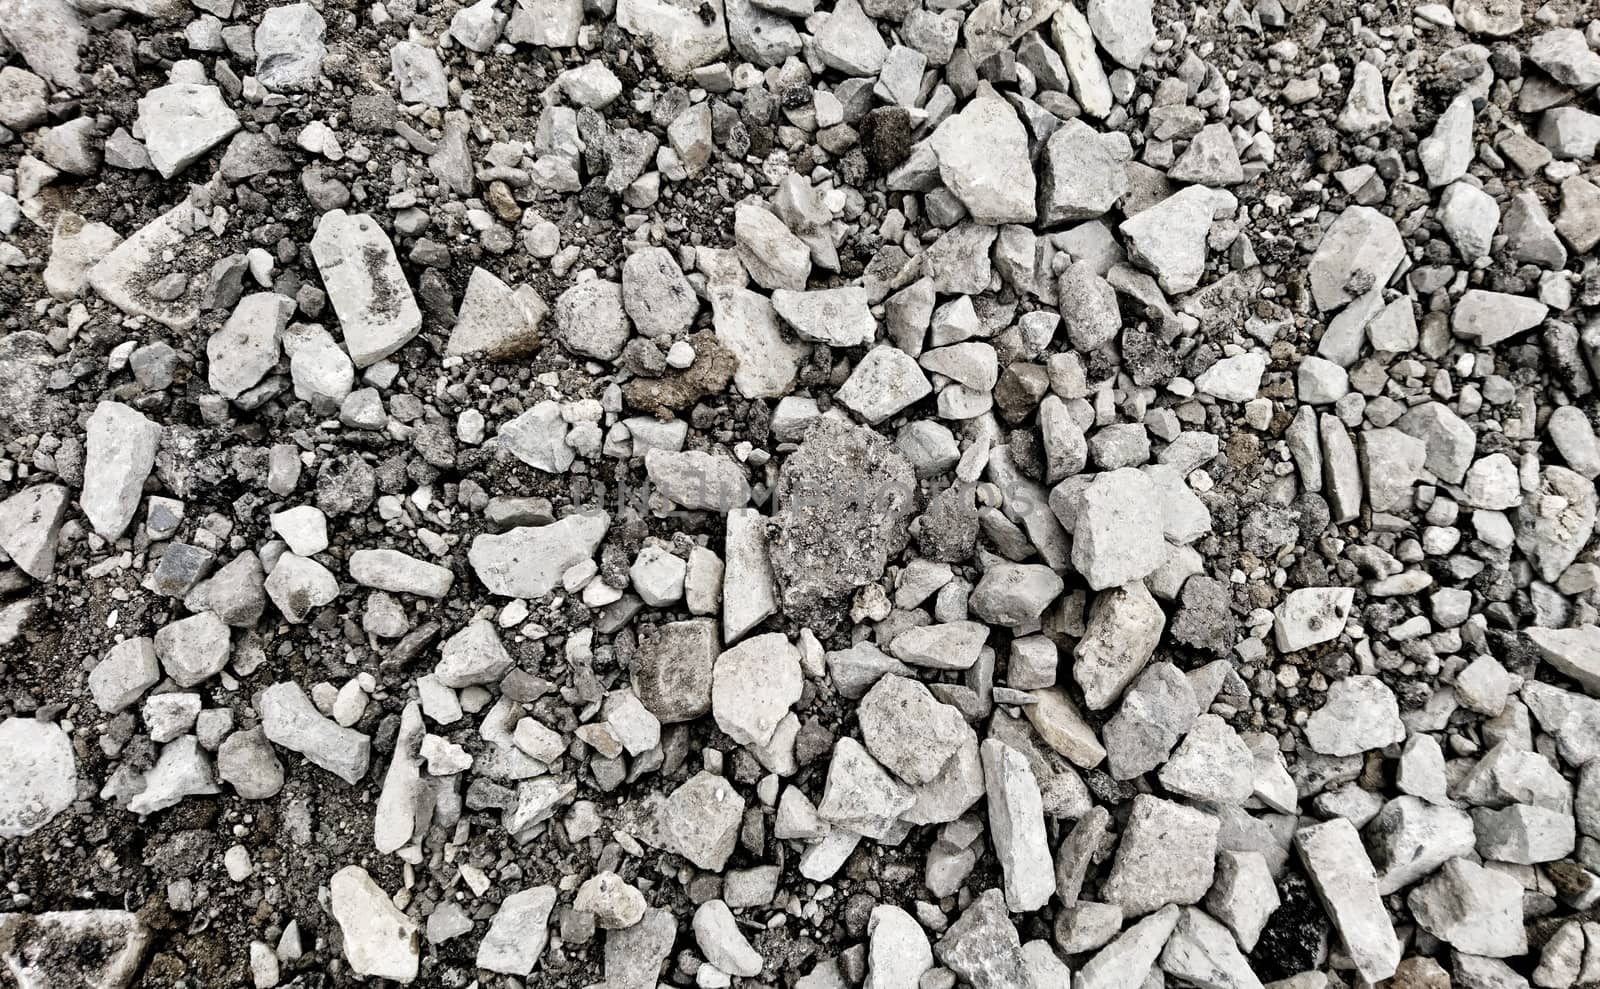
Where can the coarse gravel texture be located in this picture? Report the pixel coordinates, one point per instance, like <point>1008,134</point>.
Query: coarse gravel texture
<point>889,493</point>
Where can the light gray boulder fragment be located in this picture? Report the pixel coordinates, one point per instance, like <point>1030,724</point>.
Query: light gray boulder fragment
<point>1166,856</point>
<point>754,684</point>
<point>1212,765</point>
<point>886,381</point>
<point>982,946</point>
<point>672,672</point>
<point>1124,28</point>
<point>495,320</point>
<point>697,480</point>
<point>701,819</point>
<point>1475,910</point>
<point>1074,41</point>
<point>529,561</point>
<point>1169,239</point>
<point>655,293</point>
<point>717,934</point>
<point>519,932</point>
<point>182,121</point>
<point>1082,175</point>
<point>860,795</point>
<point>130,276</point>
<point>298,586</point>
<point>898,953</point>
<point>1447,152</point>
<point>747,325</point>
<point>246,347</point>
<point>120,453</point>
<point>1358,253</point>
<point>290,719</point>
<point>749,589</point>
<point>848,41</point>
<point>909,731</point>
<point>983,160</point>
<point>1243,896</point>
<point>30,522</point>
<point>1342,875</point>
<point>591,320</point>
<point>101,949</point>
<point>419,74</point>
<point>38,776</point>
<point>1016,827</point>
<point>1488,318</point>
<point>1118,534</point>
<point>1360,714</point>
<point>683,35</point>
<point>1309,616</point>
<point>289,48</point>
<point>1553,523</point>
<point>379,940</point>
<point>394,571</point>
<point>76,246</point>
<point>538,438</point>
<point>1202,952</point>
<point>246,761</point>
<point>366,286</point>
<point>838,317</point>
<point>193,650</point>
<point>1124,627</point>
<point>1126,962</point>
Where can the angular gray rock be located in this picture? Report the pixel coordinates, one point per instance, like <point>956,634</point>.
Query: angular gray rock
<point>747,325</point>
<point>1121,635</point>
<point>496,321</point>
<point>366,286</point>
<point>655,294</point>
<point>518,933</point>
<point>1016,827</point>
<point>1202,952</point>
<point>1126,962</point>
<point>861,795</point>
<point>749,589</point>
<point>1360,714</point>
<point>909,731</point>
<point>753,686</point>
<point>884,382</point>
<point>700,820</point>
<point>1342,875</point>
<point>1118,531</point>
<point>529,561</point>
<point>1082,174</point>
<point>182,121</point>
<point>1309,616</point>
<point>842,504</point>
<point>1359,253</point>
<point>1169,239</point>
<point>290,719</point>
<point>289,48</point>
<point>982,946</point>
<point>983,160</point>
<point>898,953</point>
<point>1473,909</point>
<point>591,320</point>
<point>838,317</point>
<point>30,522</point>
<point>1166,855</point>
<point>697,480</point>
<point>38,776</point>
<point>379,940</point>
<point>120,453</point>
